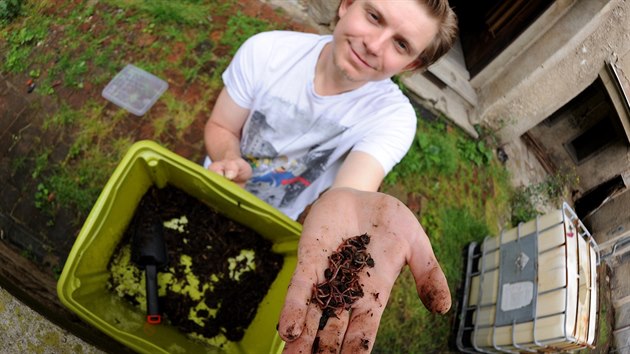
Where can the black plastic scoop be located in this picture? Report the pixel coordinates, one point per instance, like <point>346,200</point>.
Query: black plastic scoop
<point>148,251</point>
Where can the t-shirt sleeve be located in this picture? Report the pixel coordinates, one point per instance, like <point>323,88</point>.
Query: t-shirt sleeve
<point>244,75</point>
<point>390,140</point>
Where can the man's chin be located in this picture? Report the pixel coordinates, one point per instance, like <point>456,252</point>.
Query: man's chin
<point>354,76</point>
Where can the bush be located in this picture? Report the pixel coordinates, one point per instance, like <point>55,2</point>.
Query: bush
<point>529,202</point>
<point>9,10</point>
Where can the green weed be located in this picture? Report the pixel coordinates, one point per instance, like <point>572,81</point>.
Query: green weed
<point>21,42</point>
<point>202,58</point>
<point>41,162</point>
<point>73,189</point>
<point>241,27</point>
<point>28,254</point>
<point>160,125</point>
<point>9,10</point>
<point>184,12</point>
<point>475,151</point>
<point>528,202</point>
<point>41,196</point>
<point>456,228</point>
<point>154,67</point>
<point>44,201</point>
<point>181,114</point>
<point>74,74</point>
<point>433,152</point>
<point>162,11</point>
<point>34,73</point>
<point>64,117</point>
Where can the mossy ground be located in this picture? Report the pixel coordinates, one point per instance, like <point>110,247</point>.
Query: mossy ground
<point>26,331</point>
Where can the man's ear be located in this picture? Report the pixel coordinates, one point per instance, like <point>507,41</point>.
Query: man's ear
<point>417,63</point>
<point>343,7</point>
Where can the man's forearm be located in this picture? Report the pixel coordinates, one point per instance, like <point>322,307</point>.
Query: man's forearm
<point>221,143</point>
<point>222,133</point>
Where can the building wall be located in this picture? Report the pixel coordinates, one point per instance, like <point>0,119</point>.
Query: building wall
<point>549,69</point>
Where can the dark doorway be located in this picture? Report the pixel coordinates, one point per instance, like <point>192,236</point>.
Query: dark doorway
<point>487,27</point>
<point>593,113</point>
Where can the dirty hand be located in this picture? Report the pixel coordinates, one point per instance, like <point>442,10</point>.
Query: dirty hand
<point>396,239</point>
<point>236,170</point>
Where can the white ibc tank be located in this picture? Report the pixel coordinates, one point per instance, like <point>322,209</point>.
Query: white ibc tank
<point>533,288</point>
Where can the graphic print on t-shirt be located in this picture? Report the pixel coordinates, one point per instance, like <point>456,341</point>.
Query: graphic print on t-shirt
<point>290,153</point>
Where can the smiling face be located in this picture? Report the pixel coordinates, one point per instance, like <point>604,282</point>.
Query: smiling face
<point>377,39</point>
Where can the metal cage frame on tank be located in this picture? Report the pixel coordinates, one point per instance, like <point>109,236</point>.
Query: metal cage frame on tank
<point>499,264</point>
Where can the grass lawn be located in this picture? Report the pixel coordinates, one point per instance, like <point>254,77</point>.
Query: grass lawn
<point>71,49</point>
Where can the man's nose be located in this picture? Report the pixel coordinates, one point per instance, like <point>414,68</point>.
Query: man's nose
<point>375,43</point>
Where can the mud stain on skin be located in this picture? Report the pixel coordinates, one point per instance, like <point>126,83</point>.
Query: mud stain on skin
<point>365,344</point>
<point>289,333</point>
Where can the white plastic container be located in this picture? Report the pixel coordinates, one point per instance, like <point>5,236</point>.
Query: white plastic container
<point>532,288</point>
<point>134,89</point>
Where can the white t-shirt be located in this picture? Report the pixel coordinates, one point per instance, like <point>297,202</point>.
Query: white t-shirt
<point>295,139</point>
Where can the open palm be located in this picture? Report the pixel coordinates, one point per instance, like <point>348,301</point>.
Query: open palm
<point>396,239</point>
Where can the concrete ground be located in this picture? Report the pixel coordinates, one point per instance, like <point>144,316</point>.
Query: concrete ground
<point>23,330</point>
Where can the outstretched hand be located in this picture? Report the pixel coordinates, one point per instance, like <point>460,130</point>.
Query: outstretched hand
<point>396,239</point>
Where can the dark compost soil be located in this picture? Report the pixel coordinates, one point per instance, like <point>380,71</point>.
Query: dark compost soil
<point>237,284</point>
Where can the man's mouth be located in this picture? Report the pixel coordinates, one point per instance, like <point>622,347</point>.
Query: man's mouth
<point>360,59</point>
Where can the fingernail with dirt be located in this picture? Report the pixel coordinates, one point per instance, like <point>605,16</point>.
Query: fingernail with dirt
<point>289,334</point>
<point>435,293</point>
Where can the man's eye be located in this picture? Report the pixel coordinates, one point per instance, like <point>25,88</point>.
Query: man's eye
<point>402,45</point>
<point>373,17</point>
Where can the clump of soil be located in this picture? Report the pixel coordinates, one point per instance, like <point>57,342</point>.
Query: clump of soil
<point>342,288</point>
<point>218,270</point>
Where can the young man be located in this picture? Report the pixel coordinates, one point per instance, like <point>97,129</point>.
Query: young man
<point>301,114</point>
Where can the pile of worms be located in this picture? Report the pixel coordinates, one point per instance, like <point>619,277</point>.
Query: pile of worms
<point>342,288</point>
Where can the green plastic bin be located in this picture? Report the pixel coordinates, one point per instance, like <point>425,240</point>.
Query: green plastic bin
<point>82,285</point>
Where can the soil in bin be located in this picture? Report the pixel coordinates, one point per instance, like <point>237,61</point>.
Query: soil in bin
<point>218,270</point>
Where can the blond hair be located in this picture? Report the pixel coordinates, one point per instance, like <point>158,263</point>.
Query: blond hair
<point>446,35</point>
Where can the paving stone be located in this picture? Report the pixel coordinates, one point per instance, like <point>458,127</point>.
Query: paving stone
<point>10,197</point>
<point>24,239</point>
<point>9,117</point>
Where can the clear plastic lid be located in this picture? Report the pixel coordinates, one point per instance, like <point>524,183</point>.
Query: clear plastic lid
<point>134,89</point>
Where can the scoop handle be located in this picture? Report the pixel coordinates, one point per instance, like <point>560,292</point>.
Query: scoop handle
<point>153,310</point>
